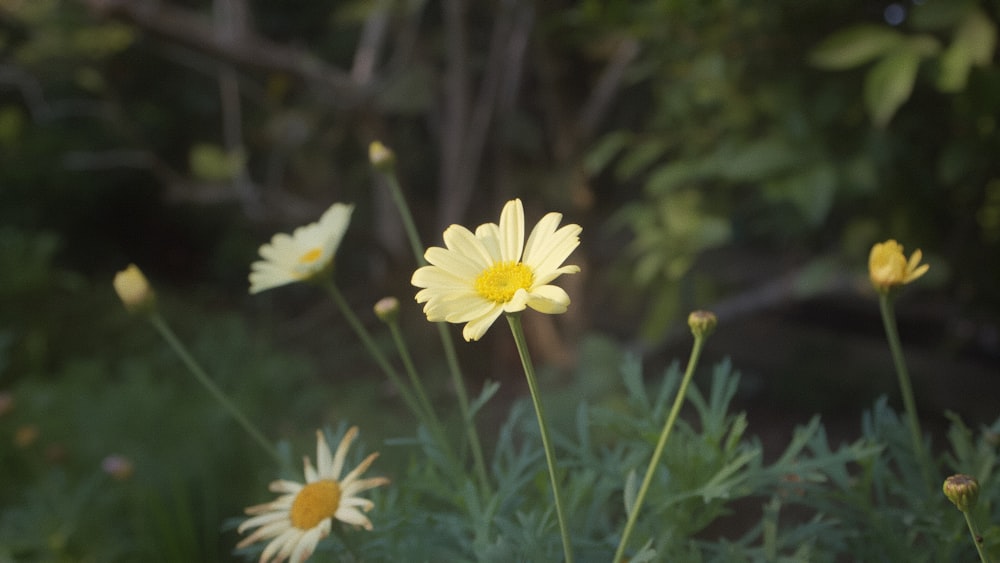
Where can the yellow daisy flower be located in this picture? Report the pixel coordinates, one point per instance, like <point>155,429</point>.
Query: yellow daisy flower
<point>296,521</point>
<point>479,276</point>
<point>888,267</point>
<point>303,255</point>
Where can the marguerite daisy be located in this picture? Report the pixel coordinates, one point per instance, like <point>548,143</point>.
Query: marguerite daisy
<point>479,276</point>
<point>303,255</point>
<point>296,521</point>
<point>888,267</point>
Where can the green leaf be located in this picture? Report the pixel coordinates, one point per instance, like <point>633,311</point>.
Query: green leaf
<point>640,157</point>
<point>889,84</point>
<point>757,160</point>
<point>212,162</point>
<point>609,147</point>
<point>979,34</point>
<point>489,389</point>
<point>973,45</point>
<point>665,178</point>
<point>631,491</point>
<point>854,46</point>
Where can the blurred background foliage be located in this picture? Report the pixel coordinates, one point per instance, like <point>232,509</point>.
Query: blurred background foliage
<point>737,155</point>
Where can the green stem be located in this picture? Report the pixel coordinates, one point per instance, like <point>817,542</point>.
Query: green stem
<point>699,342</point>
<point>164,329</point>
<point>373,350</point>
<point>404,353</point>
<point>404,212</point>
<point>472,435</point>
<point>514,319</point>
<point>905,388</point>
<point>977,538</point>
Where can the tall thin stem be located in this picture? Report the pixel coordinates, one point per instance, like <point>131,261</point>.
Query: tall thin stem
<point>418,387</point>
<point>514,319</point>
<point>419,405</point>
<point>447,344</point>
<point>699,342</point>
<point>977,537</point>
<point>178,347</point>
<point>905,388</point>
<point>373,350</point>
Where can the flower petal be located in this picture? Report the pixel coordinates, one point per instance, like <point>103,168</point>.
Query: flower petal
<point>476,328</point>
<point>549,299</point>
<point>512,231</point>
<point>460,240</point>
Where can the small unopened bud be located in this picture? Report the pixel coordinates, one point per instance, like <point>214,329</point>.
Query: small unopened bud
<point>133,289</point>
<point>962,490</point>
<point>702,323</point>
<point>118,467</point>
<point>381,157</point>
<point>387,309</point>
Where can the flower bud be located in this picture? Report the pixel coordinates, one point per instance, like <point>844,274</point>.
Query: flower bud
<point>381,157</point>
<point>133,289</point>
<point>702,323</point>
<point>888,267</point>
<point>387,309</point>
<point>119,467</point>
<point>962,490</point>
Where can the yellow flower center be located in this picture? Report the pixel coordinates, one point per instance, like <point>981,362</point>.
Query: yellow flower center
<point>316,502</point>
<point>311,256</point>
<point>500,282</point>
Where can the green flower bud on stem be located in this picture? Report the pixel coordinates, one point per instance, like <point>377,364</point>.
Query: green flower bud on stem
<point>387,309</point>
<point>381,157</point>
<point>702,323</point>
<point>962,490</point>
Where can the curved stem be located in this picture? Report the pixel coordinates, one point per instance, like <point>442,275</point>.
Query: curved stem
<point>977,538</point>
<point>428,408</point>
<point>633,516</point>
<point>178,347</point>
<point>373,350</point>
<point>472,435</point>
<point>514,319</point>
<point>905,388</point>
<point>420,406</point>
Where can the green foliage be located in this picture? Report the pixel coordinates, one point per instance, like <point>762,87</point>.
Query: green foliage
<point>712,467</point>
<point>890,81</point>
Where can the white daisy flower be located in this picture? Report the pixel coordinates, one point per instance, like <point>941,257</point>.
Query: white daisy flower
<point>303,255</point>
<point>303,515</point>
<point>479,276</point>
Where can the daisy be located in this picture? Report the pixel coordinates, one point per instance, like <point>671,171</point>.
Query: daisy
<point>303,515</point>
<point>888,267</point>
<point>302,256</point>
<point>479,276</point>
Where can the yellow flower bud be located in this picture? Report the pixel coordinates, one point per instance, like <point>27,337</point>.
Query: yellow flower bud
<point>381,157</point>
<point>962,490</point>
<point>133,289</point>
<point>888,268</point>
<point>702,323</point>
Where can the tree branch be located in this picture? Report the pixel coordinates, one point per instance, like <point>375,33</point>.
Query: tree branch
<point>247,49</point>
